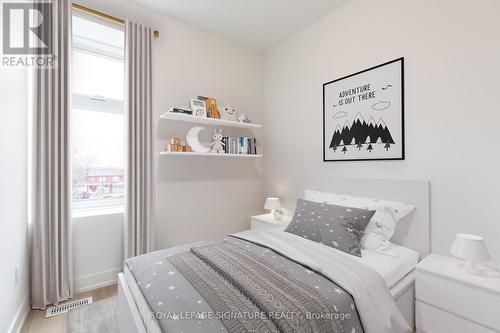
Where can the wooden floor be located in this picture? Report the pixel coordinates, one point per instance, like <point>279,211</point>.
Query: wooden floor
<point>37,323</point>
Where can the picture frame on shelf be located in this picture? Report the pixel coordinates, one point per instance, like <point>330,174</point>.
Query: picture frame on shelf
<point>210,106</point>
<point>198,107</point>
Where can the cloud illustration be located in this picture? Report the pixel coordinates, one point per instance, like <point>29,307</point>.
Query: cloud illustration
<point>381,106</point>
<point>340,114</point>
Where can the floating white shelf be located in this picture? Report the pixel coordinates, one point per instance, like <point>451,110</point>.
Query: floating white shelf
<point>174,153</point>
<point>207,121</point>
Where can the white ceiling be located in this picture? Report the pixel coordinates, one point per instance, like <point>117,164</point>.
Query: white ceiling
<point>258,24</point>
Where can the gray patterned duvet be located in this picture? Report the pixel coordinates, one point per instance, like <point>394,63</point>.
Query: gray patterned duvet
<point>237,286</point>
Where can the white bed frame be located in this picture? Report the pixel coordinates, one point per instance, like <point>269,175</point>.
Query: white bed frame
<point>413,232</point>
<point>129,319</point>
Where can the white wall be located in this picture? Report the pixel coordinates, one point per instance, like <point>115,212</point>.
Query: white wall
<point>98,250</point>
<point>13,197</point>
<point>452,72</point>
<point>198,198</point>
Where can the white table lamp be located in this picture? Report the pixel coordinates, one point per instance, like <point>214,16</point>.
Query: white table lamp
<point>471,248</point>
<point>273,204</point>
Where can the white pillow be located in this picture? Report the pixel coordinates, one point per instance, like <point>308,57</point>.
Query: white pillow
<point>382,225</point>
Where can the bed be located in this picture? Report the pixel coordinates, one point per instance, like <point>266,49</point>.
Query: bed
<point>156,294</point>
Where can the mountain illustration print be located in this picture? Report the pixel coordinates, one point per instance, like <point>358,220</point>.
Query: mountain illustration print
<point>362,135</point>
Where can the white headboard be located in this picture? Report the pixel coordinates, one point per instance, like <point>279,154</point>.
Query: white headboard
<point>413,231</point>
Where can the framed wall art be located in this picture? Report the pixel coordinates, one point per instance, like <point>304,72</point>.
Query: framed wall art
<point>363,115</point>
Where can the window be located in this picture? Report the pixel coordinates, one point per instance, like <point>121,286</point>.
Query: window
<point>98,122</point>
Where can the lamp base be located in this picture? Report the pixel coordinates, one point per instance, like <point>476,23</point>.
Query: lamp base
<point>470,267</point>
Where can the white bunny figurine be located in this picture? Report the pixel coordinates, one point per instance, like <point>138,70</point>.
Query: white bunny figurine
<point>217,145</point>
<point>242,118</point>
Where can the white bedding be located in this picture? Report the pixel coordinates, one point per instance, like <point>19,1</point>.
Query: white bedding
<point>391,268</point>
<point>377,309</point>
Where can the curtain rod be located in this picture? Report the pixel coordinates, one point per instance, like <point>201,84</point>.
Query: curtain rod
<point>104,16</point>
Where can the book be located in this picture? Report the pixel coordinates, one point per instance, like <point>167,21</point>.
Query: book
<point>245,146</point>
<point>181,110</point>
<point>211,106</point>
<point>242,145</point>
<point>230,145</point>
<point>250,144</point>
<point>226,144</point>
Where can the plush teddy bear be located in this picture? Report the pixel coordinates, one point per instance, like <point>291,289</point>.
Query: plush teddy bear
<point>217,145</point>
<point>228,113</point>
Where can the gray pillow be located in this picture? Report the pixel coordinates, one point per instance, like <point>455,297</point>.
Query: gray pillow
<point>336,226</point>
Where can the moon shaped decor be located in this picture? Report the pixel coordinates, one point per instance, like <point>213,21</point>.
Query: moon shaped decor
<point>193,140</point>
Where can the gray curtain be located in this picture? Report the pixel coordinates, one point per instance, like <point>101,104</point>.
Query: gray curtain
<point>140,166</point>
<point>50,228</point>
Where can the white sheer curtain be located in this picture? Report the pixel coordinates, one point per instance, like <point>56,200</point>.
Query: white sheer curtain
<point>50,229</point>
<point>140,165</point>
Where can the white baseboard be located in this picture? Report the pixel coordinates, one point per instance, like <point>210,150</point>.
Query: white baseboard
<point>21,314</point>
<point>81,284</point>
<point>94,281</point>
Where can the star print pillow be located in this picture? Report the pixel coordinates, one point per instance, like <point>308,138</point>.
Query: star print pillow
<point>383,224</point>
<point>336,226</point>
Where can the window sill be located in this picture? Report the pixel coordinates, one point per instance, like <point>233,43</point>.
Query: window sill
<point>79,213</point>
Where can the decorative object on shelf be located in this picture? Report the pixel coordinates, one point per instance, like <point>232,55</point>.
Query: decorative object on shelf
<point>179,148</point>
<point>228,113</point>
<point>274,205</point>
<point>363,115</point>
<point>242,118</point>
<point>193,140</point>
<point>198,107</point>
<point>210,106</point>
<point>175,145</point>
<point>472,248</point>
<point>181,110</point>
<point>217,143</point>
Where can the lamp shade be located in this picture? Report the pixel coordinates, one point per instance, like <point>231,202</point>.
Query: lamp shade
<point>470,247</point>
<point>272,203</point>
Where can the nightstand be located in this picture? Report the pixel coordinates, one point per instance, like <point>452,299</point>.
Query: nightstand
<point>268,221</point>
<point>449,300</point>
